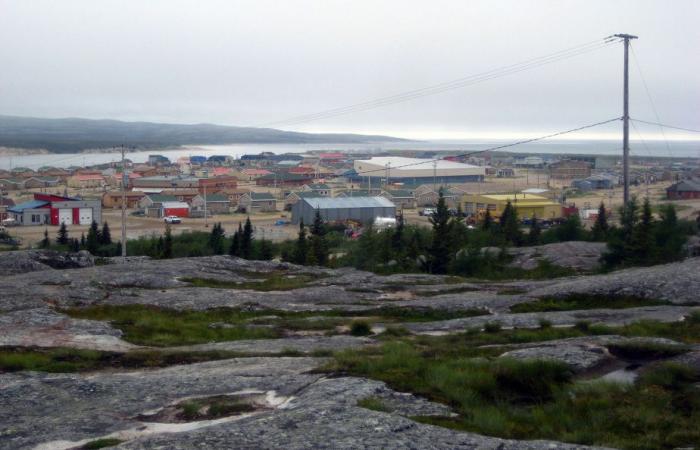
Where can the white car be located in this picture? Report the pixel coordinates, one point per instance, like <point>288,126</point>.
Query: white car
<point>172,219</point>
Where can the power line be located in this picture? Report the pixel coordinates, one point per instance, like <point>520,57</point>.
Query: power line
<point>665,126</point>
<point>450,85</point>
<point>499,147</point>
<point>651,102</point>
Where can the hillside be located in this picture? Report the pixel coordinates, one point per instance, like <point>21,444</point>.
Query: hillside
<point>73,134</point>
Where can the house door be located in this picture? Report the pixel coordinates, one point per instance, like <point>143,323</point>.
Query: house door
<point>65,215</point>
<point>85,216</point>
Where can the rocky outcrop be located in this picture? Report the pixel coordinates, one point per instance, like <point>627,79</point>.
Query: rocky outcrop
<point>18,262</point>
<point>578,255</point>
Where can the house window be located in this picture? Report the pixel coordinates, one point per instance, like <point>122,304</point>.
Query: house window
<point>36,218</point>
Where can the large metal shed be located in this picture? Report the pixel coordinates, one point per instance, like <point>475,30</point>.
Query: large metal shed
<point>361,209</point>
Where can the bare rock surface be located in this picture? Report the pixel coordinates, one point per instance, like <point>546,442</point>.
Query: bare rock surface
<point>577,255</point>
<point>17,262</point>
<point>300,407</point>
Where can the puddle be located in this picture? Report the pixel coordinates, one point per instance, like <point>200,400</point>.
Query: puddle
<point>268,400</point>
<point>626,375</point>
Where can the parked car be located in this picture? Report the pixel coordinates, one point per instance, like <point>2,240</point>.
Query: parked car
<point>427,212</point>
<point>172,219</point>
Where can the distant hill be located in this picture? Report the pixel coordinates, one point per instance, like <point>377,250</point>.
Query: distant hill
<point>73,135</point>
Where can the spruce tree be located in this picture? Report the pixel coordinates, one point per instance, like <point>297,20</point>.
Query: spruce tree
<point>509,226</point>
<point>82,240</point>
<point>398,236</point>
<point>62,237</point>
<point>216,239</point>
<point>92,242</point>
<point>319,247</point>
<point>235,248</point>
<point>487,222</point>
<point>440,247</point>
<point>600,227</point>
<point>265,251</point>
<point>45,243</point>
<point>168,243</point>
<point>571,229</point>
<point>247,240</point>
<point>533,237</point>
<point>106,235</point>
<point>74,245</point>
<point>300,249</point>
<point>669,238</point>
<point>643,242</point>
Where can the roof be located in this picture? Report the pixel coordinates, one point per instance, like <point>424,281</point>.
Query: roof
<point>128,193</point>
<point>305,194</point>
<point>86,177</point>
<point>685,186</point>
<point>348,202</point>
<point>31,204</point>
<point>319,186</point>
<point>261,196</point>
<point>159,198</point>
<point>255,171</point>
<point>400,193</point>
<point>395,162</point>
<point>175,205</point>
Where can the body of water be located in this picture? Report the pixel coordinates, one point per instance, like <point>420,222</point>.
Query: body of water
<point>676,149</point>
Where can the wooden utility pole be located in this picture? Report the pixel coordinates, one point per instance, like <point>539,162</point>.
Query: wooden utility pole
<point>625,121</point>
<point>125,179</point>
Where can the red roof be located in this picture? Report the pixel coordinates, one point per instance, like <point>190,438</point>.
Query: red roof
<point>336,155</point>
<point>256,172</point>
<point>87,177</point>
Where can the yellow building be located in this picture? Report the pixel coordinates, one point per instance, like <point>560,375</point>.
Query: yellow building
<point>527,205</point>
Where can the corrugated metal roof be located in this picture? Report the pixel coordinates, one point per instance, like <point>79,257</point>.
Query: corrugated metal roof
<point>349,202</point>
<point>32,204</point>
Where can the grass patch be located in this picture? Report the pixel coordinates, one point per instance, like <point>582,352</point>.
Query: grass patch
<point>373,403</point>
<point>101,443</point>
<point>271,282</point>
<point>584,301</point>
<point>646,350</point>
<point>533,399</point>
<point>212,408</point>
<point>63,360</point>
<point>159,327</point>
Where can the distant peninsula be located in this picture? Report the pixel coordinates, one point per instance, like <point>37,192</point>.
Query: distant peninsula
<point>73,135</point>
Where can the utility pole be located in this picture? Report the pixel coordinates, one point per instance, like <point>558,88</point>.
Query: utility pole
<point>625,121</point>
<point>206,220</point>
<point>435,175</point>
<point>125,179</point>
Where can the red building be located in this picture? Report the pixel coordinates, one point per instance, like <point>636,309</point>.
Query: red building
<point>684,190</point>
<point>178,209</point>
<point>217,183</point>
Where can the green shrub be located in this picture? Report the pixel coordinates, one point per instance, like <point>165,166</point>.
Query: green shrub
<point>492,327</point>
<point>360,328</point>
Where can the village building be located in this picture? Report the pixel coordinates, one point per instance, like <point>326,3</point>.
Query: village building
<point>403,199</point>
<point>216,204</point>
<point>257,202</point>
<point>342,209</point>
<point>86,180</point>
<point>293,197</point>
<point>415,171</point>
<point>570,169</point>
<point>527,205</point>
<point>152,204</point>
<point>47,209</point>
<point>321,189</point>
<point>11,184</point>
<point>233,195</point>
<point>113,199</point>
<point>5,203</point>
<point>177,209</point>
<point>684,190</point>
<point>284,179</point>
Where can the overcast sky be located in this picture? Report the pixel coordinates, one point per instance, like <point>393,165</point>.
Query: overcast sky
<point>256,62</point>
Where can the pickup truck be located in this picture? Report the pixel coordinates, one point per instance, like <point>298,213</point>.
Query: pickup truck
<point>172,219</point>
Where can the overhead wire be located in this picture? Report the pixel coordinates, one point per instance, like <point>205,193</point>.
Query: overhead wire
<point>450,85</point>
<point>651,101</point>
<point>665,125</point>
